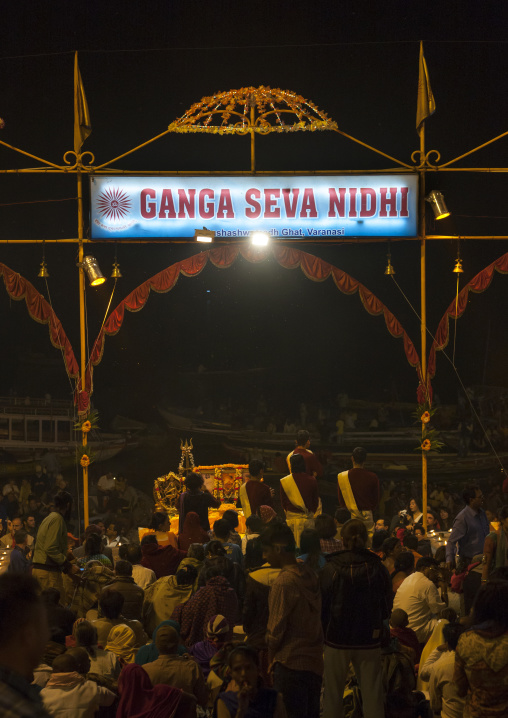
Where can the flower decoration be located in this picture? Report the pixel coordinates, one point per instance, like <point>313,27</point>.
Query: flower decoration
<point>227,480</point>
<point>425,417</point>
<point>92,422</point>
<point>426,445</point>
<point>86,427</point>
<point>85,460</point>
<point>230,113</point>
<point>2,123</point>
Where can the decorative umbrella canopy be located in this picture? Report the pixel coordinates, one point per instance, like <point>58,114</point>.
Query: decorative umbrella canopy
<point>253,109</point>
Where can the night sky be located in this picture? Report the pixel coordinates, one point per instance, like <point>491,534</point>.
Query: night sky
<point>143,65</point>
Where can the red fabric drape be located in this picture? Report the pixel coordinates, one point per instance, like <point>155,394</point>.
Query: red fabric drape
<point>478,284</point>
<point>223,257</point>
<point>39,309</point>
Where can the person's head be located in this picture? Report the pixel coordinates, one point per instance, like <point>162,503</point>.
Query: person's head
<point>310,542</point>
<point>359,456</point>
<point>449,614</point>
<point>93,545</point>
<point>217,629</point>
<point>325,526</point>
<point>473,497</point>
<point>419,532</point>
<point>391,547</point>
<point>491,604</point>
<point>16,525</point>
<point>149,539</point>
<point>354,535</point>
<point>413,506</point>
<point>253,553</point>
<point>215,548</point>
<point>491,515</point>
<point>160,521</point>
<point>167,640</point>
<point>256,468</point>
<point>429,567</point>
<point>399,618</point>
<point>503,517</point>
<point>444,513</point>
<point>451,634</point>
<point>405,562</point>
<point>65,663</point>
<point>32,503</point>
<point>342,516</point>
<point>297,463</point>
<point>112,529</point>
<point>410,541</point>
<point>254,525</point>
<point>111,603</point>
<point>63,504</point>
<point>431,521</point>
<point>123,568</point>
<point>196,551</point>
<point>303,439</point>
<point>243,665</point>
<point>101,526</point>
<point>194,483</point>
<point>440,554</point>
<point>279,545</point>
<point>133,553</point>
<point>86,635</point>
<point>378,539</point>
<point>20,538</point>
<point>232,518</point>
<point>221,529</point>
<point>51,596</point>
<point>381,525</point>
<point>23,623</point>
<point>81,657</point>
<point>186,576</point>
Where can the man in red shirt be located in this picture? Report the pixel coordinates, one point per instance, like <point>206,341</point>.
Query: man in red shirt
<point>312,463</point>
<point>362,498</point>
<point>256,492</point>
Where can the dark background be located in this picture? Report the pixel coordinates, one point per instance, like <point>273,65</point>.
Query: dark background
<point>143,65</point>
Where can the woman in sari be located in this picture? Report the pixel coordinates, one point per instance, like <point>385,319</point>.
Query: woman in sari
<point>139,699</point>
<point>191,532</point>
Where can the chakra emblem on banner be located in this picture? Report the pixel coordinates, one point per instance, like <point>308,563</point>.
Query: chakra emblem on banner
<point>113,204</point>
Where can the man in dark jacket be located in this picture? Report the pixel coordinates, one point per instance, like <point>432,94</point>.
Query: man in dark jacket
<point>132,593</point>
<point>357,600</point>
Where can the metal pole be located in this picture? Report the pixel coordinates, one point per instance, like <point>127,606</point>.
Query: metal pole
<point>423,307</point>
<point>252,141</point>
<point>82,332</point>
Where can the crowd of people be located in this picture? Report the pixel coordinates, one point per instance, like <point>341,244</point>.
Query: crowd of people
<point>302,614</point>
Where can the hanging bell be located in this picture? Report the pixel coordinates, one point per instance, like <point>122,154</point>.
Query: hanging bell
<point>389,268</point>
<point>43,271</point>
<point>458,266</point>
<point>116,274</point>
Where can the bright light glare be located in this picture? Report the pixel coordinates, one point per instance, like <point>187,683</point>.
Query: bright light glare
<point>203,238</point>
<point>204,235</point>
<point>260,239</point>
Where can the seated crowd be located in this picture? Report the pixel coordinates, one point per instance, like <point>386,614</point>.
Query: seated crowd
<point>347,620</point>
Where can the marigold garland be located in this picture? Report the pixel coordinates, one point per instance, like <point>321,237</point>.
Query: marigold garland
<point>425,417</point>
<point>86,427</point>
<point>84,461</point>
<point>426,445</point>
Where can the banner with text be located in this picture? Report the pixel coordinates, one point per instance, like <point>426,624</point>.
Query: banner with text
<point>289,206</point>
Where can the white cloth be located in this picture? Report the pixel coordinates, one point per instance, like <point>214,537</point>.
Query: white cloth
<point>420,599</point>
<point>42,674</point>
<point>247,537</point>
<point>443,691</point>
<point>10,486</point>
<point>105,664</point>
<point>79,701</point>
<point>142,576</point>
<point>105,483</point>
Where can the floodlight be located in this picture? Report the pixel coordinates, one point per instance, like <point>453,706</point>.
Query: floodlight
<point>204,235</point>
<point>260,239</point>
<point>92,269</point>
<point>436,201</point>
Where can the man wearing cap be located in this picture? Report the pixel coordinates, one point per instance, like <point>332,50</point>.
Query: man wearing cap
<point>174,670</point>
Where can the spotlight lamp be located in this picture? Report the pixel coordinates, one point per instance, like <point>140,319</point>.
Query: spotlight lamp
<point>93,271</point>
<point>204,235</point>
<point>436,201</point>
<point>259,239</point>
<point>43,271</point>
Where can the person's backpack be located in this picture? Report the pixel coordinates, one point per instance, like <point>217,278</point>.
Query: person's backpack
<point>399,682</point>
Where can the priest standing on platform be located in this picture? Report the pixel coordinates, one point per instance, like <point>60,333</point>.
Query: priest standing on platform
<point>254,493</point>
<point>359,490</point>
<point>313,467</point>
<point>299,497</point>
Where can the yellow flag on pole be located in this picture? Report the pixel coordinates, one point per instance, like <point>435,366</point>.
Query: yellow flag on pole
<point>426,105</point>
<point>82,124</point>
